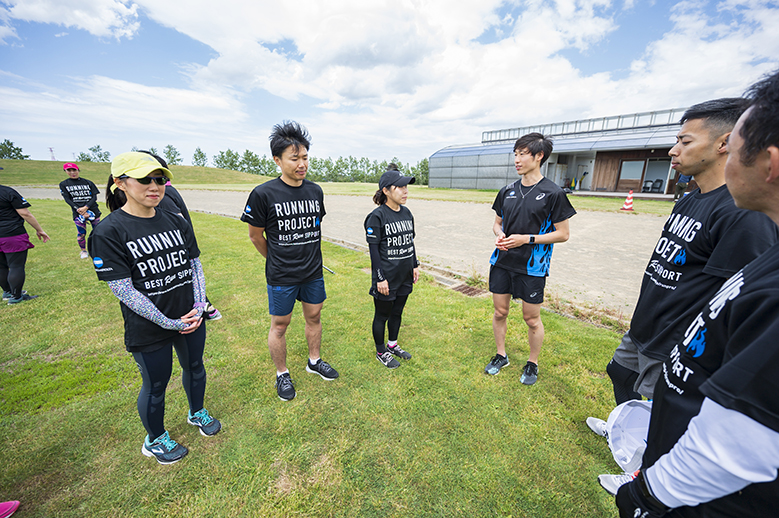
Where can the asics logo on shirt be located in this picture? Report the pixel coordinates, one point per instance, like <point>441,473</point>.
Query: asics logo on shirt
<point>540,196</point>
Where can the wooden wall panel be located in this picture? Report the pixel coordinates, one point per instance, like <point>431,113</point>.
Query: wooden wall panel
<point>606,170</point>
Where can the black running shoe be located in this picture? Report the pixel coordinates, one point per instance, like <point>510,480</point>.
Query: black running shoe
<point>387,360</point>
<point>400,353</point>
<point>496,363</point>
<point>529,374</point>
<point>284,387</point>
<point>323,369</point>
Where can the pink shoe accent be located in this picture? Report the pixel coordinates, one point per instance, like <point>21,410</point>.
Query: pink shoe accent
<point>8,508</point>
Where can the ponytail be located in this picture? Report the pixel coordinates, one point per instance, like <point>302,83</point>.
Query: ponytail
<point>114,197</point>
<point>380,198</point>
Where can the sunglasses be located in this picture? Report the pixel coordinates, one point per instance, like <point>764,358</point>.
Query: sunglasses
<point>159,180</point>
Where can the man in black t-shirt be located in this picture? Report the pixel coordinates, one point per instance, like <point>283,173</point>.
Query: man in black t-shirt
<point>531,215</point>
<point>284,217</point>
<point>81,195</point>
<point>713,443</point>
<point>705,240</point>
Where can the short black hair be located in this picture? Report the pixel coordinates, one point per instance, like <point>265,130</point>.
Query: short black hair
<point>535,143</point>
<point>718,115</point>
<point>288,133</point>
<point>760,129</point>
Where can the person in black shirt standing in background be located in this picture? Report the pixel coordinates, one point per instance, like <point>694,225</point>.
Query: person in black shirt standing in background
<point>81,195</point>
<point>14,243</point>
<point>173,202</point>
<point>284,217</point>
<point>389,230</point>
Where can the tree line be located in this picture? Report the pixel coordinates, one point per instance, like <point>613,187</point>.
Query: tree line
<point>342,169</point>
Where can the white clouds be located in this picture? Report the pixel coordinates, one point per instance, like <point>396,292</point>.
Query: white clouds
<point>119,115</point>
<point>99,17</point>
<point>6,29</point>
<point>386,76</point>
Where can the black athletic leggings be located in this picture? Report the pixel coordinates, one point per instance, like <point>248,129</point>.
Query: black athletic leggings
<point>156,368</point>
<point>12,272</point>
<point>388,312</point>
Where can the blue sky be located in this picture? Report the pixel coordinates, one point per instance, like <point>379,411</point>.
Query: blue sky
<point>378,79</point>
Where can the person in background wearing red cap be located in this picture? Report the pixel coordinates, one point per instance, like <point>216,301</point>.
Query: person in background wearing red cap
<point>81,195</point>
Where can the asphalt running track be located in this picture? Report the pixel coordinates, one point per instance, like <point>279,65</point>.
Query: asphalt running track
<point>602,263</point>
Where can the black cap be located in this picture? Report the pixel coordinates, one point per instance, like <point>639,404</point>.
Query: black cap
<point>393,177</point>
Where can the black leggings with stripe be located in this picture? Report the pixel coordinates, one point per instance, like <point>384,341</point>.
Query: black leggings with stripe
<point>156,368</point>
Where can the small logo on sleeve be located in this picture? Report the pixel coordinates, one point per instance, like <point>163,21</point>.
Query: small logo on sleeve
<point>248,209</point>
<point>98,262</point>
<point>370,231</point>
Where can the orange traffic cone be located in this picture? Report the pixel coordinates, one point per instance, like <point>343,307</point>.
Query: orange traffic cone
<point>628,205</point>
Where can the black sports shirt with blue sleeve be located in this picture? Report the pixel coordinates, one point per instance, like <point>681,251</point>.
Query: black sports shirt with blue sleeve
<point>292,218</point>
<point>530,210</point>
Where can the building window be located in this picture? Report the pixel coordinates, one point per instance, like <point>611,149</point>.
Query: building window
<point>631,169</point>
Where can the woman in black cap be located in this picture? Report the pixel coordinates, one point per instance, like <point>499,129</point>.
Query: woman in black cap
<point>389,230</point>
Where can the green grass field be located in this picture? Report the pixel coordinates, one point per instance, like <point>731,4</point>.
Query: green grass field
<point>436,437</point>
<point>49,173</point>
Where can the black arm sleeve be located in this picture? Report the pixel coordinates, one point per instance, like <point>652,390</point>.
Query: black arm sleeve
<point>67,197</point>
<point>93,190</point>
<point>376,261</point>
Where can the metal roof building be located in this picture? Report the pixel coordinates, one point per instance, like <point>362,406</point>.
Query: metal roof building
<point>613,154</point>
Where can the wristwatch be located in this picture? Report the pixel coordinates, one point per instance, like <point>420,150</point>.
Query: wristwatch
<point>532,240</point>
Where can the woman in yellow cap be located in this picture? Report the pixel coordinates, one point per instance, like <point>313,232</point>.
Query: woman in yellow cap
<point>149,258</point>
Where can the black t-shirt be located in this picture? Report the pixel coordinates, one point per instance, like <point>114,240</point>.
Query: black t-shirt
<point>173,202</point>
<point>79,192</point>
<point>729,354</point>
<point>11,223</point>
<point>155,252</point>
<point>394,233</point>
<point>291,217</point>
<point>535,213</point>
<point>705,240</point>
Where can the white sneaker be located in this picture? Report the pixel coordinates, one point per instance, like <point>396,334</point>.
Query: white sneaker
<point>84,254</point>
<point>612,483</point>
<point>598,426</point>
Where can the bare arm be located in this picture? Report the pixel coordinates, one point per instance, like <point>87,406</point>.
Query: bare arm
<point>256,234</point>
<point>29,218</point>
<point>497,229</point>
<point>560,234</point>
